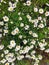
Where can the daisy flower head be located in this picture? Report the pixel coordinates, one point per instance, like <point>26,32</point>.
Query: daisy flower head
<point>28,2</point>
<point>41,11</point>
<point>5,18</point>
<point>35,9</point>
<point>12,43</point>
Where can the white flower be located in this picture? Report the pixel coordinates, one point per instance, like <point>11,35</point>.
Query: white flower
<point>47,50</point>
<point>28,3</point>
<point>33,57</point>
<point>41,11</point>
<point>9,46</point>
<point>35,35</point>
<point>1,23</point>
<point>6,51</point>
<point>10,9</point>
<point>47,4</point>
<point>16,0</point>
<point>3,60</point>
<point>20,36</point>
<point>10,57</point>
<point>28,16</point>
<point>30,32</point>
<point>36,64</point>
<point>33,42</point>
<point>39,18</point>
<point>7,63</point>
<point>35,9</point>
<point>19,13</point>
<point>25,41</point>
<point>17,48</point>
<point>2,55</point>
<point>20,18</point>
<point>12,43</point>
<point>0,35</point>
<point>14,5</point>
<point>21,51</point>
<point>1,0</point>
<point>47,13</point>
<point>15,31</point>
<point>42,45</point>
<point>12,63</point>
<point>22,25</point>
<point>40,57</point>
<point>31,46</point>
<point>42,48</point>
<point>33,52</point>
<point>5,18</point>
<point>41,25</point>
<point>20,57</point>
<point>5,31</point>
<point>26,27</point>
<point>1,47</point>
<point>27,56</point>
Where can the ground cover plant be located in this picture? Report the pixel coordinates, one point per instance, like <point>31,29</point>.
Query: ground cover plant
<point>24,32</point>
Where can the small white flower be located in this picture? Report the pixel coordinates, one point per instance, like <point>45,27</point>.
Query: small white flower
<point>5,31</point>
<point>20,57</point>
<point>42,48</point>
<point>22,25</point>
<point>12,43</point>
<point>28,16</point>
<point>17,48</point>
<point>47,50</point>
<point>2,55</point>
<point>35,35</point>
<point>41,25</point>
<point>9,46</point>
<point>35,9</point>
<point>41,11</point>
<point>6,51</point>
<point>10,57</point>
<point>47,4</point>
<point>30,32</point>
<point>28,3</point>
<point>16,0</point>
<point>12,63</point>
<point>20,18</point>
<point>33,42</point>
<point>15,31</point>
<point>26,27</point>
<point>0,35</point>
<point>40,57</point>
<point>1,23</point>
<point>1,47</point>
<point>27,56</point>
<point>20,36</point>
<point>33,52</point>
<point>5,18</point>
<point>7,63</point>
<point>19,13</point>
<point>36,64</point>
<point>33,57</point>
<point>31,47</point>
<point>40,18</point>
<point>25,41</point>
<point>10,9</point>
<point>3,60</point>
<point>47,13</point>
